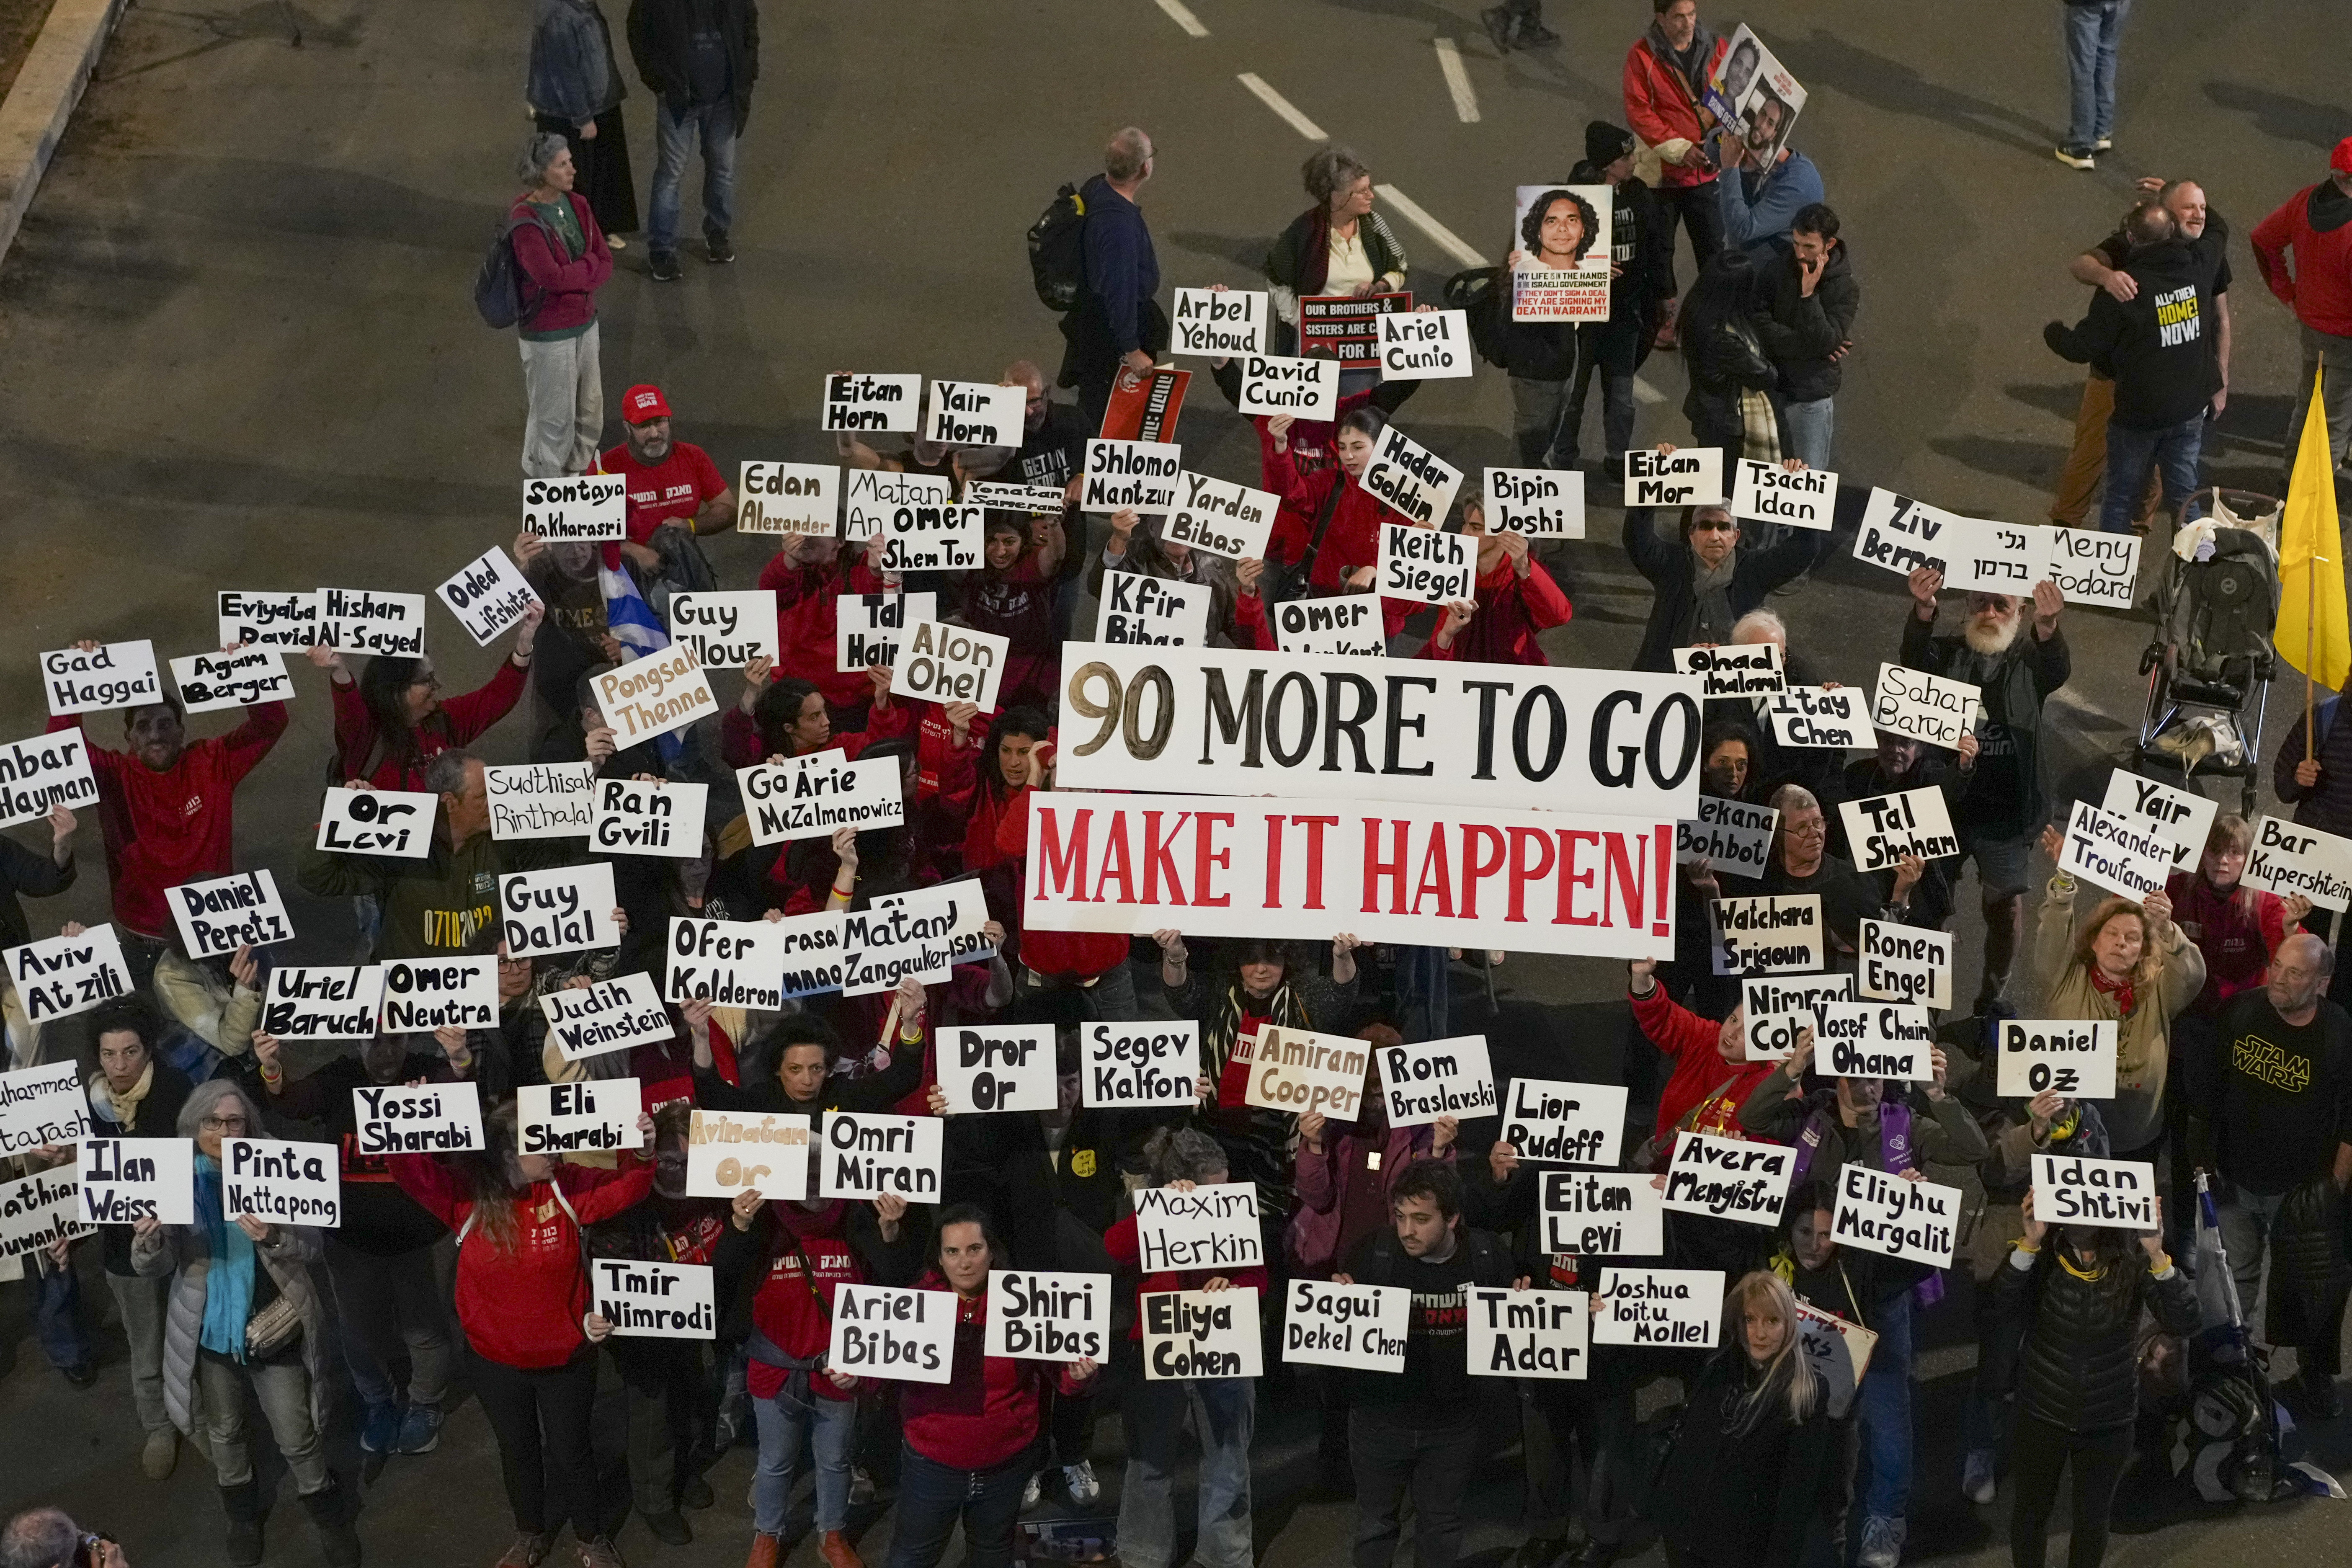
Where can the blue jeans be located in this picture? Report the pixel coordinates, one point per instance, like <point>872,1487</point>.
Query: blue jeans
<point>1813,427</point>
<point>713,124</point>
<point>2092,33</point>
<point>830,1428</point>
<point>1224,1411</point>
<point>1885,1411</point>
<point>932,1497</point>
<point>2172,449</point>
<point>57,1315</point>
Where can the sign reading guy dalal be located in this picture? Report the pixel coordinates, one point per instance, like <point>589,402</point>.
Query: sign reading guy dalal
<point>1729,1178</point>
<point>568,909</point>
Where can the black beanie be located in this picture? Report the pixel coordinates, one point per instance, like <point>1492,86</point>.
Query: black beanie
<point>1605,143</point>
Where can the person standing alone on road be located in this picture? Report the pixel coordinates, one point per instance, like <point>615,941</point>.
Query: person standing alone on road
<point>1118,326</point>
<point>559,247</point>
<point>575,91</point>
<point>1667,72</point>
<point>2094,29</point>
<point>700,58</point>
<point>2316,223</point>
<point>1810,297</point>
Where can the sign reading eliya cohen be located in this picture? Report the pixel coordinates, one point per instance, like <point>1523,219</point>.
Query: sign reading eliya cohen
<point>1200,1333</point>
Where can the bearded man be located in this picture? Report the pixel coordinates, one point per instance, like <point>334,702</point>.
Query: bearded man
<point>2000,808</point>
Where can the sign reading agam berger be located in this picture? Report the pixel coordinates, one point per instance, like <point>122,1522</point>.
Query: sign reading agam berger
<point>1296,388</point>
<point>1349,626</point>
<point>123,1179</point>
<point>1430,1078</point>
<point>1884,828</point>
<point>1777,933</point>
<point>788,497</point>
<point>569,910</point>
<point>1915,1221</point>
<point>209,683</point>
<point>2124,855</point>
<point>218,917</point>
<point>1527,1333</point>
<point>1298,1070</point>
<point>1819,717</point>
<point>541,800</point>
<point>1131,476</point>
<point>421,995</point>
<point>1228,519</point>
<point>1139,1064</point>
<point>867,1154</point>
<point>871,498</point>
<point>1200,1333</point>
<point>1035,1316</point>
<point>975,413</point>
<point>730,963</point>
<point>417,1119</point>
<point>1926,707</point>
<point>1154,610</point>
<point>268,620</point>
<point>2095,568</point>
<point>1741,669</point>
<point>1240,721</point>
<point>1542,503</point>
<point>725,630</point>
<point>1733,837</point>
<point>117,675</point>
<point>42,1208</point>
<point>1425,565</point>
<point>656,1300</point>
<point>1358,1326</point>
<point>41,773</point>
<point>323,1004</point>
<point>880,1330</point>
<point>1658,1307</point>
<point>397,823</point>
<point>811,795</point>
<point>354,620</point>
<point>652,695</point>
<point>1692,477</point>
<point>1729,1178</point>
<point>2287,858</point>
<point>2180,816</point>
<point>2071,1056</point>
<point>609,1016</point>
<point>950,664</point>
<point>1599,1215</point>
<point>1000,1066</point>
<point>62,975</point>
<point>585,506</point>
<point>1570,1123</point>
<point>1776,1009</point>
<point>1873,1039</point>
<point>279,1183</point>
<point>1411,478</point>
<point>1426,345</point>
<point>731,1151</point>
<point>634,817</point>
<point>1905,964</point>
<point>869,629</point>
<point>870,402</point>
<point>1767,492</point>
<point>1214,1225</point>
<point>1219,322</point>
<point>2118,1194</point>
<point>488,596</point>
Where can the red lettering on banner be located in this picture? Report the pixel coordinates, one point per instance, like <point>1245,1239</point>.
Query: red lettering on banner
<point>1434,859</point>
<point>1273,864</point>
<point>1476,868</point>
<point>1570,879</point>
<point>1206,854</point>
<point>1315,827</point>
<point>1061,871</point>
<point>1521,873</point>
<point>1663,844</point>
<point>1627,875</point>
<point>1116,863</point>
<point>1157,853</point>
<point>1375,868</point>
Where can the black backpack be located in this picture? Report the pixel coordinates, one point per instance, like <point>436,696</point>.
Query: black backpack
<point>502,290</point>
<point>1057,262</point>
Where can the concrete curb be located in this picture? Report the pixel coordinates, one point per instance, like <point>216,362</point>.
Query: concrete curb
<point>42,98</point>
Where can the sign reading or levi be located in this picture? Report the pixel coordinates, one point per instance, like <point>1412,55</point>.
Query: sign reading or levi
<point>1200,1333</point>
<point>1426,345</point>
<point>62,975</point>
<point>951,664</point>
<point>1526,1334</point>
<point>1775,934</point>
<point>655,694</point>
<point>2180,816</point>
<point>1873,1039</point>
<point>725,630</point>
<point>1680,1306</point>
<point>1884,828</point>
<point>421,995</point>
<point>2065,1056</point>
<point>925,538</point>
<point>217,917</point>
<point>882,1330</point>
<point>1215,1226</point>
<point>2124,855</point>
<point>631,818</point>
<point>870,402</point>
<point>1767,492</point>
<point>1294,388</point>
<point>398,823</point>
<point>323,1004</point>
<point>1221,323</point>
<point>1153,610</point>
<point>42,1106</point>
<point>869,629</point>
<point>1139,1064</point>
<point>1905,964</point>
<point>1131,476</point>
<point>2118,1194</point>
<point>1430,1078</point>
<point>1003,1066</point>
<point>1562,1122</point>
<point>1732,837</point>
<point>1738,670</point>
<point>2286,858</point>
<point>594,1114</point>
<point>1691,477</point>
<point>42,772</point>
<point>583,506</point>
<point>1411,479</point>
<point>1223,518</point>
<point>1425,565</point>
<point>1599,1213</point>
<point>542,914</point>
<point>975,413</point>
<point>488,596</point>
<point>279,1183</point>
<point>1926,707</point>
<point>1298,1070</point>
<point>788,497</point>
<point>867,1154</point>
<point>240,678</point>
<point>1729,1178</point>
<point>1542,503</point>
<point>1916,1221</point>
<point>90,681</point>
<point>812,794</point>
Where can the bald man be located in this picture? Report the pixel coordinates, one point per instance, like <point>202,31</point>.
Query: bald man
<point>1053,435</point>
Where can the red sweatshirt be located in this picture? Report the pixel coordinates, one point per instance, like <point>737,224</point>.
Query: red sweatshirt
<point>454,723</point>
<point>2237,928</point>
<point>988,1414</point>
<point>1701,1075</point>
<point>807,624</point>
<point>1510,614</point>
<point>178,826</point>
<point>2319,286</point>
<point>1127,1253</point>
<point>1082,953</point>
<point>786,1307</point>
<point>567,286</point>
<point>523,1308</point>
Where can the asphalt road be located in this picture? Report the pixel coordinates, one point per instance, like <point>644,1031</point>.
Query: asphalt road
<point>241,354</point>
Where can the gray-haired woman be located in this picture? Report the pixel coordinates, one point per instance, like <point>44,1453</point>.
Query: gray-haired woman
<point>560,249</point>
<point>1339,246</point>
<point>575,91</point>
<point>244,1316</point>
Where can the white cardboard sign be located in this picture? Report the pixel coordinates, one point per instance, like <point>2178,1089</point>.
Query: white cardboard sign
<point>267,620</point>
<point>1873,1039</point>
<point>356,620</point>
<point>1884,828</point>
<point>42,772</point>
<point>811,795</point>
<point>1223,519</point>
<point>975,414</point>
<point>1819,717</point>
<point>1986,556</point>
<point>2073,1056</point>
<point>1690,477</point>
<point>1732,837</point>
<point>731,1151</point>
<point>117,675</point>
<point>1425,565</point>
<point>1036,1315</point>
<point>1279,387</point>
<point>922,933</point>
<point>393,821</point>
<point>1926,707</point>
<point>725,630</point>
<point>1411,479</point>
<point>1599,1214</point>
<point>1139,609</point>
<point>565,910</point>
<point>1037,500</point>
<point>217,917</point>
<point>1767,492</point>
<point>1900,535</point>
<point>1298,1070</point>
<point>1200,1333</point>
<point>2115,1194</point>
<point>37,1210</point>
<point>209,683</point>
<point>880,1330</point>
<point>1139,1064</point>
<point>322,1004</point>
<point>1351,626</point>
<point>869,629</point>
<point>654,694</point>
<point>1425,345</point>
<point>656,1300</point>
<point>997,1066</point>
<point>488,596</point>
<point>2181,815</point>
<point>1542,503</point>
<point>62,975</point>
<point>582,507</point>
<point>869,402</point>
<point>1358,1326</point>
<point>1775,1008</point>
<point>421,995</point>
<point>631,816</point>
<point>416,1118</point>
<point>1220,323</point>
<point>541,800</point>
<point>1915,1221</point>
<point>1773,933</point>
<point>2122,854</point>
<point>123,1179</point>
<point>610,1015</point>
<point>1839,1353</point>
<point>280,1183</point>
<point>869,1153</point>
<point>1430,1078</point>
<point>788,497</point>
<point>874,499</point>
<point>951,664</point>
<point>1677,1307</point>
<point>1905,964</point>
<point>2286,858</point>
<point>730,963</point>
<point>1735,669</point>
<point>2092,567</point>
<point>598,1115</point>
<point>1571,1123</point>
<point>1214,1225</point>
<point>1137,476</point>
<point>1529,1333</point>
<point>1729,1178</point>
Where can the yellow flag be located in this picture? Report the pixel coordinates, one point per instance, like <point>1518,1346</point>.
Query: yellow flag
<point>2314,633</point>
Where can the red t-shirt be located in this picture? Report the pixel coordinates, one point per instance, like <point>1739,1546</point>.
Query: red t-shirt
<point>669,491</point>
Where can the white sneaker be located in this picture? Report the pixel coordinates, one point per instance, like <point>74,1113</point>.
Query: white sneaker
<point>1976,1476</point>
<point>1081,1479</point>
<point>1032,1490</point>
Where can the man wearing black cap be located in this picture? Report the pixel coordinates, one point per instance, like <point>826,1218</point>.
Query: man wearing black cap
<point>1518,25</point>
<point>1641,280</point>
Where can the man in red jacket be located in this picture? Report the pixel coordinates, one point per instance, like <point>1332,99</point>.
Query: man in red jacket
<point>1667,73</point>
<point>2316,223</point>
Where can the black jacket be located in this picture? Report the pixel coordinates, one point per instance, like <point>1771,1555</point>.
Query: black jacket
<point>1667,564</point>
<point>1800,332</point>
<point>26,873</point>
<point>1741,1498</point>
<point>1641,244</point>
<point>2014,691</point>
<point>657,43</point>
<point>2160,346</point>
<point>2078,1366</point>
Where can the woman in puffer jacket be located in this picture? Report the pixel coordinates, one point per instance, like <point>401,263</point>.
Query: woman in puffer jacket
<point>2072,1295</point>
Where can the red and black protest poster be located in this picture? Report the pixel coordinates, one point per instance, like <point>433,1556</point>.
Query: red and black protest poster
<point>1346,327</point>
<point>1147,410</point>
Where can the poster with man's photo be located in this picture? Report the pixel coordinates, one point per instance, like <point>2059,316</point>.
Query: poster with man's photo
<point>1755,97</point>
<point>1560,252</point>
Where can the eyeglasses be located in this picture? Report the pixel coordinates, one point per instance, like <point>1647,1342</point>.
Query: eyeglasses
<point>223,1124</point>
<point>425,678</point>
<point>1715,525</point>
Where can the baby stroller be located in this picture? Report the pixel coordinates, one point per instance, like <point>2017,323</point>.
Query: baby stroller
<point>2211,661</point>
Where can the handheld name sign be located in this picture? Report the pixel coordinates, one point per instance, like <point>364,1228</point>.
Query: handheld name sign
<point>598,1114</point>
<point>542,914</point>
<point>1425,565</point>
<point>1358,1326</point>
<point>2092,567</point>
<point>1430,1078</point>
<point>1214,1225</point>
<point>1297,1070</point>
<point>1733,837</point>
<point>421,995</point>
<point>633,817</point>
<point>654,695</point>
<point>315,1003</point>
<point>725,630</point>
<point>2121,854</point>
<point>1037,500</point>
<point>209,683</point>
<point>1571,1123</point>
<point>1838,1352</point>
<point>1767,492</point>
<point>867,1154</point>
<point>731,1151</point>
<point>62,975</point>
<point>118,674</point>
<point>812,950</point>
<point>880,1330</point>
<point>1527,1333</point>
<point>1680,1306</point>
<point>1900,535</point>
<point>417,1119</point>
<point>2178,815</point>
<point>2115,1194</point>
<point>1200,1333</point>
<point>488,596</point>
<point>656,1300</point>
<point>811,795</point>
<point>1777,933</point>
<point>1036,1315</point>
<point>1219,322</point>
<point>1411,479</point>
<point>1729,1178</point>
<point>1743,670</point>
<point>354,620</point>
<point>585,506</point>
<point>975,413</point>
<point>393,821</point>
<point>1298,388</point>
<point>951,664</point>
<point>1776,1009</point>
<point>1140,609</point>
<point>1542,503</point>
<point>279,1183</point>
<point>1884,828</point>
<point>730,963</point>
<point>788,497</point>
<point>541,800</point>
<point>42,1208</point>
<point>1598,1214</point>
<point>610,1015</point>
<point>2070,1055</point>
<point>1228,519</point>
<point>1139,1064</point>
<point>2287,858</point>
<point>1001,1066</point>
<point>1350,626</point>
<point>1818,717</point>
<point>267,620</point>
<point>1873,1039</point>
<point>41,773</point>
<point>922,935</point>
<point>123,1179</point>
<point>870,402</point>
<point>217,917</point>
<point>1905,964</point>
<point>1692,477</point>
<point>872,499</point>
<point>1985,556</point>
<point>1137,476</point>
<point>1926,707</point>
<point>869,629</point>
<point>1915,1221</point>
<point>1426,345</point>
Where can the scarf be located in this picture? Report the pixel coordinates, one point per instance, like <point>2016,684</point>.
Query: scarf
<point>122,1109</point>
<point>229,1288</point>
<point>2121,990</point>
<point>1690,62</point>
<point>1315,260</point>
<point>1760,427</point>
<point>1711,616</point>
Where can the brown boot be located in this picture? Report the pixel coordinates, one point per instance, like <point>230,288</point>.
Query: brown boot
<point>837,1552</point>
<point>764,1552</point>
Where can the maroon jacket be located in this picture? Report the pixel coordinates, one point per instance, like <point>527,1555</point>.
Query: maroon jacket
<point>567,286</point>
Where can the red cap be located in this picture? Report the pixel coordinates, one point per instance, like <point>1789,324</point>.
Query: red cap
<point>640,403</point>
<point>2342,162</point>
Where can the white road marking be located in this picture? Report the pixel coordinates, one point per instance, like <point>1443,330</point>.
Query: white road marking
<point>1282,106</point>
<point>1457,80</point>
<point>1447,240</point>
<point>1183,16</point>
<point>1644,392</point>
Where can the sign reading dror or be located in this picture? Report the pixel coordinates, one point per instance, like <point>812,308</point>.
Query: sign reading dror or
<point>218,917</point>
<point>1729,1178</point>
<point>587,506</point>
<point>997,1066</point>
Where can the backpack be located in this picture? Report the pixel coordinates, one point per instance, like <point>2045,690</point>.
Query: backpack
<point>502,290</point>
<point>1057,262</point>
<point>1478,294</point>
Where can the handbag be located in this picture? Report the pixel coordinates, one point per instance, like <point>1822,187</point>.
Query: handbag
<point>1284,583</point>
<point>273,1328</point>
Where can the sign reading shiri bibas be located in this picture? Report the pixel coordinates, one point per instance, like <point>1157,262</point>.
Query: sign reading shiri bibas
<point>809,796</point>
<point>1732,837</point>
<point>999,1066</point>
<point>1131,476</point>
<point>1905,964</point>
<point>1915,1221</point>
<point>1223,518</point>
<point>41,773</point>
<point>1679,1307</point>
<point>569,910</point>
<point>1570,1123</point>
<point>2121,854</point>
<point>1884,828</point>
<point>1774,933</point>
<point>1047,1317</point>
<point>209,683</point>
<point>1873,1039</point>
<point>1424,1082</point>
<point>1139,1064</point>
<point>1729,1178</point>
<point>2070,1056</point>
<point>866,403</point>
<point>2180,816</point>
<point>1299,388</point>
<point>2119,1195</point>
<point>1214,1225</point>
<point>1596,1214</point>
<point>541,800</point>
<point>218,917</point>
<point>1692,477</point>
<point>2287,858</point>
<point>1775,1008</point>
<point>1526,1334</point>
<point>1819,717</point>
<point>1411,479</point>
<point>62,975</point>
